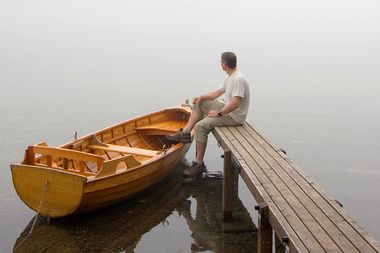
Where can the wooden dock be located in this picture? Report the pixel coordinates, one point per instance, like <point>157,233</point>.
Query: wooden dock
<point>300,213</point>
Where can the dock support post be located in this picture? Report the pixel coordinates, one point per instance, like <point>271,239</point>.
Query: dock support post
<point>228,186</point>
<point>265,236</point>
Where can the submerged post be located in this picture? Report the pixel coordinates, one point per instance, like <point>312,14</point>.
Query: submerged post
<point>228,185</point>
<point>265,236</point>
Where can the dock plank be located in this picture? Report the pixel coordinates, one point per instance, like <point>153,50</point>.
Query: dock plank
<point>354,234</point>
<point>291,185</point>
<point>292,209</point>
<point>260,194</point>
<point>300,240</point>
<point>298,207</point>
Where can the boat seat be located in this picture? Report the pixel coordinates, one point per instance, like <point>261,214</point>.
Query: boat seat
<point>110,166</point>
<point>126,150</point>
<point>162,128</point>
<point>98,145</point>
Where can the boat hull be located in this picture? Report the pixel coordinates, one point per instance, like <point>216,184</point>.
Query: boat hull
<point>102,168</point>
<point>48,192</point>
<point>110,190</point>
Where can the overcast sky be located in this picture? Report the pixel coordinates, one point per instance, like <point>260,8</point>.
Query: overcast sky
<point>74,40</point>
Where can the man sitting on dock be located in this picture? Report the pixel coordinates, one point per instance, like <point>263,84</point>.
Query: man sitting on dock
<point>231,110</point>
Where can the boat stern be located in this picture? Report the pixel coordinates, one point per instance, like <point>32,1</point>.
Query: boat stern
<point>47,191</point>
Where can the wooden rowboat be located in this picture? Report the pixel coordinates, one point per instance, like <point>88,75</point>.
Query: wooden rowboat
<point>102,168</point>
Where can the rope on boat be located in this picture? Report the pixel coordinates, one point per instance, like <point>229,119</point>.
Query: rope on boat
<point>44,190</point>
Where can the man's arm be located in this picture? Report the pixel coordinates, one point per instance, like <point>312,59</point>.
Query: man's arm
<point>209,96</point>
<point>232,105</point>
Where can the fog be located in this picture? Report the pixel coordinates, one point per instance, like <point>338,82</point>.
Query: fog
<point>313,67</point>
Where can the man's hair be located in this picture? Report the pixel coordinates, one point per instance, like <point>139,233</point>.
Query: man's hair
<point>229,59</point>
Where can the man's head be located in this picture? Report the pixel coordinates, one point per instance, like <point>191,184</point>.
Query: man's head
<point>228,60</point>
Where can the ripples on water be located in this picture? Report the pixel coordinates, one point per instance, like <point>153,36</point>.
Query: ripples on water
<point>174,216</point>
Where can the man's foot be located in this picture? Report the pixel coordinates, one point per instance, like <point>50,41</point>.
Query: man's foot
<point>194,169</point>
<point>179,136</point>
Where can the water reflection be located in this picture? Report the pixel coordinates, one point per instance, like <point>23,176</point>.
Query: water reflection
<point>193,206</point>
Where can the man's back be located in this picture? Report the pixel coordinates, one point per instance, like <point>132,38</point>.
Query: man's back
<point>237,85</point>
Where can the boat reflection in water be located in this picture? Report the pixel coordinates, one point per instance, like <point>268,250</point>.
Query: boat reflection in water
<point>125,227</point>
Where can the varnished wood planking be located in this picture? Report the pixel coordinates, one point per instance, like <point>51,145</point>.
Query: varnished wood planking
<point>46,185</point>
<point>135,141</point>
<point>113,155</point>
<point>161,128</point>
<point>126,150</point>
<point>118,131</point>
<point>62,153</point>
<point>143,122</point>
<point>129,127</point>
<point>107,136</point>
<point>127,184</point>
<point>148,167</point>
<point>122,142</point>
<point>118,134</point>
<point>154,141</point>
<point>170,115</point>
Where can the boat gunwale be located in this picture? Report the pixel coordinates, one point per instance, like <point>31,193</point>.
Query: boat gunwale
<point>147,162</point>
<point>179,109</point>
<point>89,178</point>
<point>162,155</point>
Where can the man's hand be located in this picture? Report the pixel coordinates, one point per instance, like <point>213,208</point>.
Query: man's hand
<point>197,100</point>
<point>212,114</point>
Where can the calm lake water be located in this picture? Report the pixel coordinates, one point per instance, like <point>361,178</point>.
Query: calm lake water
<point>81,66</point>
